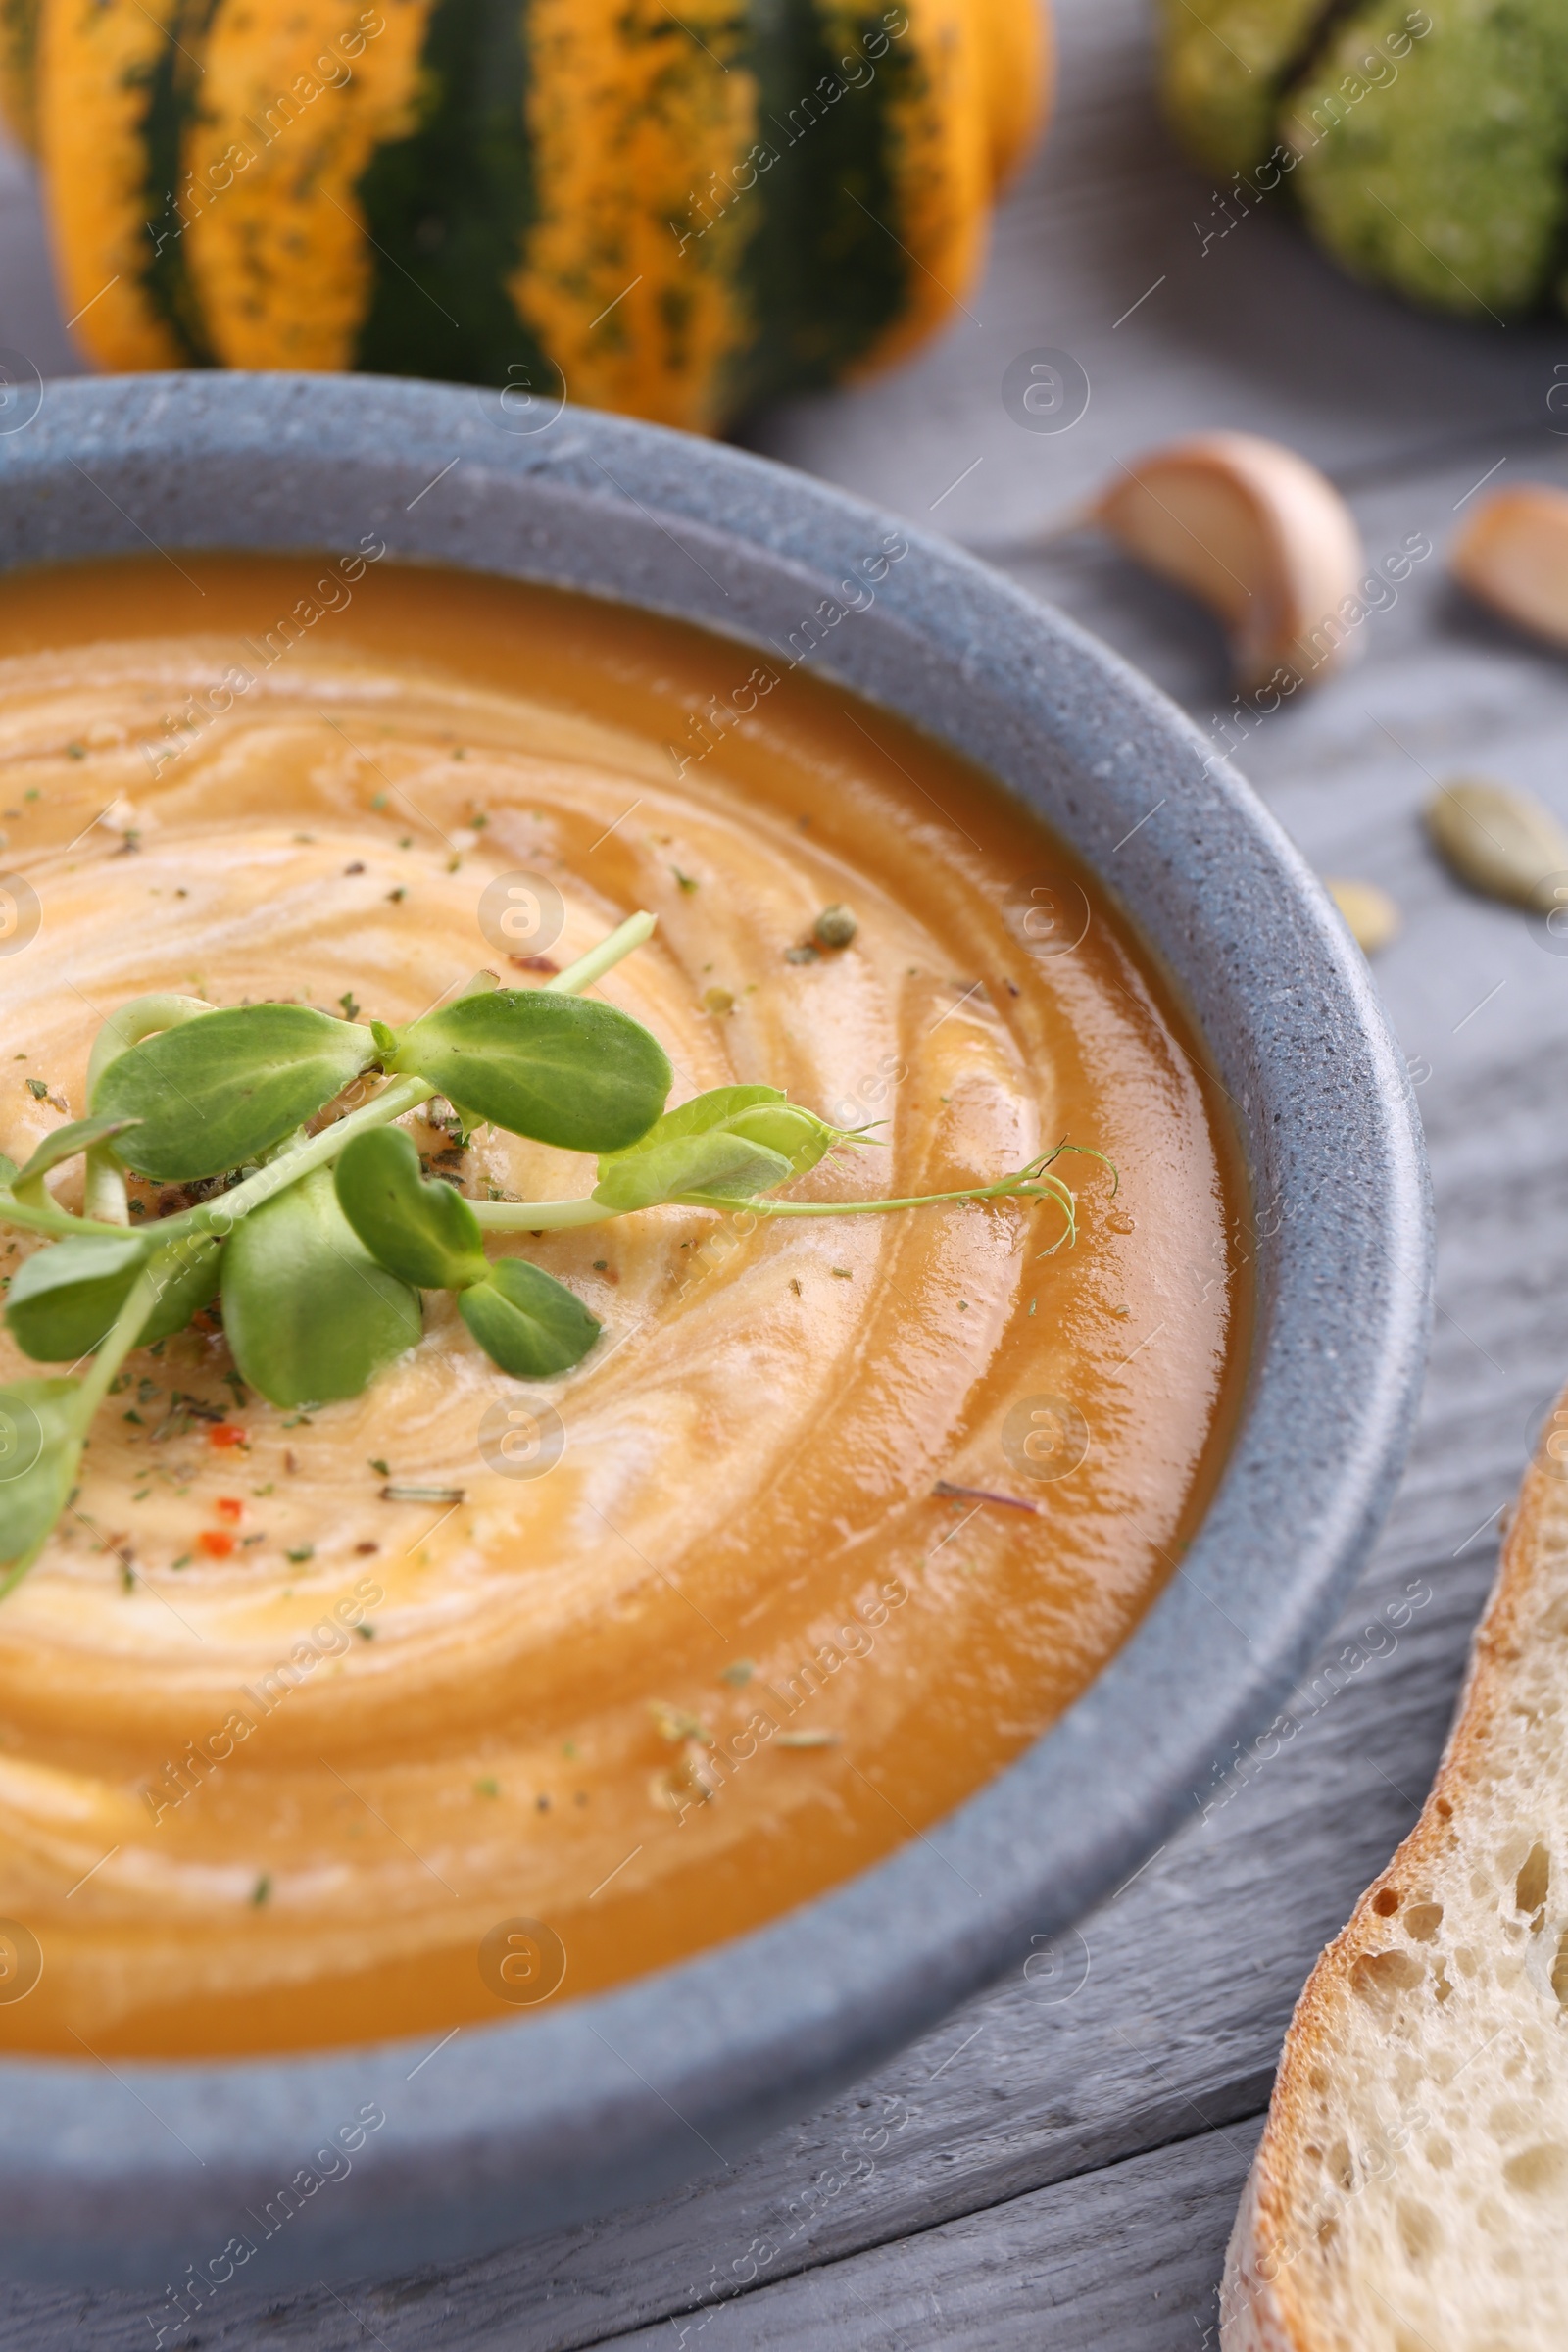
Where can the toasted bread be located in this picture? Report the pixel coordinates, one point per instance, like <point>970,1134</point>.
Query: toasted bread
<point>1410,2193</point>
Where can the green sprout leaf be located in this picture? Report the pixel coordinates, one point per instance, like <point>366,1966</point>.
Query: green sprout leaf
<point>308,1312</point>
<point>78,1136</point>
<point>320,1274</point>
<point>563,1070</point>
<point>528,1323</point>
<point>725,1146</point>
<point>63,1301</point>
<point>40,1456</point>
<point>797,1135</point>
<point>140,1018</point>
<point>713,1168</point>
<point>419,1228</point>
<point>226,1087</point>
<point>425,1232</point>
<point>718,1109</point>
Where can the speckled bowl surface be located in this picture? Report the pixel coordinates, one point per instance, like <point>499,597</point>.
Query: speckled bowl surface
<point>146,2174</point>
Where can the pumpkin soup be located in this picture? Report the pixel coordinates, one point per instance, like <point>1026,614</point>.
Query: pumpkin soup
<point>491,1585</point>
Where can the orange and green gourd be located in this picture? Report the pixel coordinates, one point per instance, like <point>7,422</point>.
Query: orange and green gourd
<point>1425,146</point>
<point>675,212</point>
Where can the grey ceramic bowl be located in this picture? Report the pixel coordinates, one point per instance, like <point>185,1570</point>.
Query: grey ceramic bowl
<point>141,2175</point>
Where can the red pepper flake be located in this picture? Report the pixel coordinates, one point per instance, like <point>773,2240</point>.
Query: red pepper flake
<point>226,1433</point>
<point>215,1542</point>
<point>229,1507</point>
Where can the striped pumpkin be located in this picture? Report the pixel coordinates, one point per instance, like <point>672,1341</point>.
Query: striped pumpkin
<point>680,211</point>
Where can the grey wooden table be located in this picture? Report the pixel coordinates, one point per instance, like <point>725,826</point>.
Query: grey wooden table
<point>1058,2164</point>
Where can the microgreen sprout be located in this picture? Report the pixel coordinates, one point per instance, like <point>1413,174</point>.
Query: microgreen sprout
<point>319,1245</point>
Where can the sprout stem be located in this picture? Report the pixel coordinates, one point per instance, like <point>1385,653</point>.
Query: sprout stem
<point>120,1339</point>
<point>105,1197</point>
<point>603,958</point>
<point>46,1218</point>
<point>541,1216</point>
<point>1011,1187</point>
<point>556,1216</point>
<point>112,1349</point>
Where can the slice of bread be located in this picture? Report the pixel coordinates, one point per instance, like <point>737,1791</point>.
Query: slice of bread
<point>1410,2193</point>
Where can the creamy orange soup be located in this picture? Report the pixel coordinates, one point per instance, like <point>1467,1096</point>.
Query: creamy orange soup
<point>837,1516</point>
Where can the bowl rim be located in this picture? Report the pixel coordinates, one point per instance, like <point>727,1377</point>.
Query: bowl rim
<point>529,2124</point>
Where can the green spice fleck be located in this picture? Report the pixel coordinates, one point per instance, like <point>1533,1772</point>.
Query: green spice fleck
<point>306,1551</point>
<point>487,1787</point>
<point>38,1089</point>
<point>739,1673</point>
<point>261,1889</point>
<point>686,881</point>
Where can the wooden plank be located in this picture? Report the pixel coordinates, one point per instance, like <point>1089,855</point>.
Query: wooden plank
<point>1115,2264</point>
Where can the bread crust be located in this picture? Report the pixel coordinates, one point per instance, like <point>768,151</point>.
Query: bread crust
<point>1266,2300</point>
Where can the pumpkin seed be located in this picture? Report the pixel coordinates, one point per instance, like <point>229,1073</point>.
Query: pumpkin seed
<point>1500,840</point>
<point>1371,917</point>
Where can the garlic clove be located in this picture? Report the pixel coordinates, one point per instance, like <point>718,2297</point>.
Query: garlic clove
<point>1255,533</point>
<point>1371,917</point>
<point>1513,554</point>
